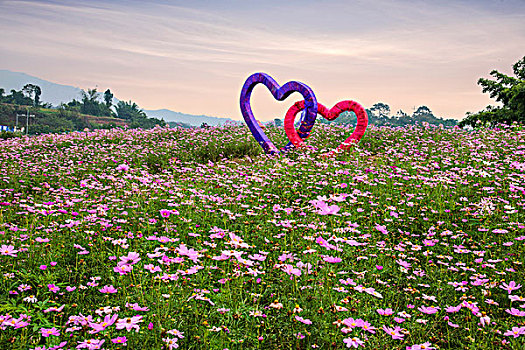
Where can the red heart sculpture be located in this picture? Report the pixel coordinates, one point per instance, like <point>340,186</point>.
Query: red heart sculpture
<point>332,114</point>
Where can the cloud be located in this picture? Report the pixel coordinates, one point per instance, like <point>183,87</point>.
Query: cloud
<point>372,50</point>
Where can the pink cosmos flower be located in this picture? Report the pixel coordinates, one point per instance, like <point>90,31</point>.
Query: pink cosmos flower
<point>123,167</point>
<point>516,298</point>
<point>8,250</point>
<point>152,268</point>
<point>332,259</point>
<point>53,288</point>
<point>353,342</point>
<point>394,332</point>
<point>452,309</point>
<point>366,326</point>
<point>171,343</point>
<point>429,310</point>
<point>403,263</point>
<point>136,307</point>
<point>322,208</point>
<point>291,270</point>
<point>130,259</point>
<point>515,312</point>
<point>119,340</point>
<point>123,269</point>
<point>129,323</point>
<point>424,346</point>
<point>303,320</point>
<point>54,309</point>
<point>515,332</point>
<point>484,320</point>
<point>385,312</point>
<point>98,327</point>
<point>510,287</point>
<point>382,229</point>
<point>108,289</point>
<point>177,333</point>
<point>90,344</point>
<point>46,332</point>
<point>350,322</point>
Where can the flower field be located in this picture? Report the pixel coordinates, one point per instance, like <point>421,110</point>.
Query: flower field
<point>194,239</point>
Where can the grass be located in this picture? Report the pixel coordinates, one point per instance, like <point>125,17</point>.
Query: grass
<point>193,238</point>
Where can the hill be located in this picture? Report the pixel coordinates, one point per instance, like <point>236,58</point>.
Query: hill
<point>57,93</point>
<point>194,120</point>
<point>51,92</point>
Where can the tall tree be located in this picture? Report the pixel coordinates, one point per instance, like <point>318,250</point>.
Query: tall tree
<point>108,98</point>
<point>38,92</point>
<point>508,90</point>
<point>33,92</point>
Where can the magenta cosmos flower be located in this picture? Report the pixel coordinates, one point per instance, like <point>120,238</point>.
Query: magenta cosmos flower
<point>53,288</point>
<point>108,289</point>
<point>165,213</point>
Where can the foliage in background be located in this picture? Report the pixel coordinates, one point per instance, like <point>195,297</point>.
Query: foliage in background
<point>72,116</point>
<point>509,91</point>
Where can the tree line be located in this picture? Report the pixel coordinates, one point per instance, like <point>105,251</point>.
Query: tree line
<point>73,115</point>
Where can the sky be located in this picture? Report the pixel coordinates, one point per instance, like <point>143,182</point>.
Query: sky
<point>194,56</point>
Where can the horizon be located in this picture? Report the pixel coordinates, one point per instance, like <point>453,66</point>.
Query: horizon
<point>195,58</point>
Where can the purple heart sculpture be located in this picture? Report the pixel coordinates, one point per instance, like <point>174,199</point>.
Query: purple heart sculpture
<point>279,93</point>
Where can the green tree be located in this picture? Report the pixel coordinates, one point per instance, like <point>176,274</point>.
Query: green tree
<point>91,104</point>
<point>18,98</point>
<point>129,110</point>
<point>38,92</point>
<point>33,92</point>
<point>108,98</point>
<point>509,91</point>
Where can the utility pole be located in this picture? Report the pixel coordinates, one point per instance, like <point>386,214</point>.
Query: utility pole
<point>27,115</point>
<point>27,120</point>
<point>18,115</point>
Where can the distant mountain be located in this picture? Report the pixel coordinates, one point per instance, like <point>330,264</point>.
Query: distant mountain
<point>51,92</point>
<point>57,94</point>
<point>194,120</point>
